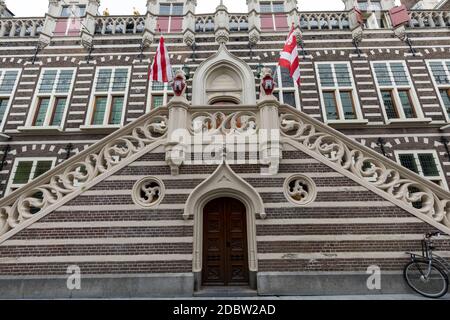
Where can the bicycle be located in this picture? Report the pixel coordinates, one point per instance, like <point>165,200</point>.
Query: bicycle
<point>428,274</point>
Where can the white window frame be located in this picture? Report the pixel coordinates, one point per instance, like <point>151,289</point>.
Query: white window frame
<point>336,88</point>
<point>53,96</point>
<point>280,89</point>
<point>441,177</point>
<point>395,88</point>
<point>438,87</point>
<point>9,96</point>
<point>109,94</point>
<point>167,89</point>
<point>35,160</point>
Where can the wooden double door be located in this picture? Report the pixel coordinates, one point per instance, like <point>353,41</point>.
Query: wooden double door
<point>225,251</point>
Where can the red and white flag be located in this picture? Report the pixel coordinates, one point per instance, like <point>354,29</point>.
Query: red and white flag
<point>161,70</point>
<point>289,57</point>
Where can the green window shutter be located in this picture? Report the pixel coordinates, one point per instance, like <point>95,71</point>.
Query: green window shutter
<point>42,167</point>
<point>58,113</point>
<point>408,161</point>
<point>116,110</point>
<point>330,105</point>
<point>99,111</point>
<point>348,105</point>
<point>23,171</point>
<point>406,104</point>
<point>428,164</point>
<point>41,112</point>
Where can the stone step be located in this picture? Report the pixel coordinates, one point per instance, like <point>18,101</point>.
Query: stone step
<point>226,292</point>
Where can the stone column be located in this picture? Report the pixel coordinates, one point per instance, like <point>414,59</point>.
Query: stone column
<point>254,21</point>
<point>150,22</point>
<point>54,9</point>
<point>222,24</point>
<point>88,31</point>
<point>178,134</point>
<point>269,127</point>
<point>189,22</point>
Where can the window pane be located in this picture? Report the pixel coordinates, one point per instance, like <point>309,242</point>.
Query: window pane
<point>439,74</point>
<point>3,105</point>
<point>406,104</point>
<point>445,94</point>
<point>289,98</point>
<point>41,112</point>
<point>48,81</point>
<point>389,105</point>
<point>103,80</point>
<point>164,9</point>
<point>58,112</point>
<point>408,161</point>
<point>177,10</point>
<point>347,105</point>
<point>64,81</point>
<point>66,11</point>
<point>326,75</point>
<point>116,110</point>
<point>382,73</point>
<point>23,170</point>
<point>399,73</point>
<point>8,82</point>
<point>330,105</point>
<point>41,168</point>
<point>286,79</point>
<point>157,86</point>
<point>120,80</point>
<point>278,7</point>
<point>428,164</point>
<point>99,110</point>
<point>157,101</point>
<point>265,7</point>
<point>343,75</point>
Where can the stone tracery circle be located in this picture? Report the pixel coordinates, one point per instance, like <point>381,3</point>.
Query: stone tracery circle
<point>300,189</point>
<point>148,192</point>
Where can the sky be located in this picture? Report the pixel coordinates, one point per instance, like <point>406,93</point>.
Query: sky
<point>36,8</point>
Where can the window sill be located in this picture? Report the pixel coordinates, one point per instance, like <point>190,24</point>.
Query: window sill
<point>49,129</point>
<point>100,129</point>
<point>4,137</point>
<point>347,123</point>
<point>409,121</point>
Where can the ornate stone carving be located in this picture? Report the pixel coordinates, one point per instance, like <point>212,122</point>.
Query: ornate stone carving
<point>300,189</point>
<point>189,38</point>
<point>388,177</point>
<point>254,36</point>
<point>222,36</point>
<point>148,192</point>
<point>241,123</point>
<point>59,183</point>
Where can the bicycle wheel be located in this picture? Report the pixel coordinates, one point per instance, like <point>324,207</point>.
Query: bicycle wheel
<point>435,286</point>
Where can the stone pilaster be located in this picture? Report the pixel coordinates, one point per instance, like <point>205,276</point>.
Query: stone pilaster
<point>254,21</point>
<point>222,24</point>
<point>150,22</point>
<point>88,31</point>
<point>189,22</point>
<point>54,9</point>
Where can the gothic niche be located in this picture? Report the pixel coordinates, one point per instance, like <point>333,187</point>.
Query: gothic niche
<point>224,87</point>
<point>148,192</point>
<point>300,190</point>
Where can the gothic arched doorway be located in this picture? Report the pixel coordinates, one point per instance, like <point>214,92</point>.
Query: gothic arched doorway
<point>225,249</point>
